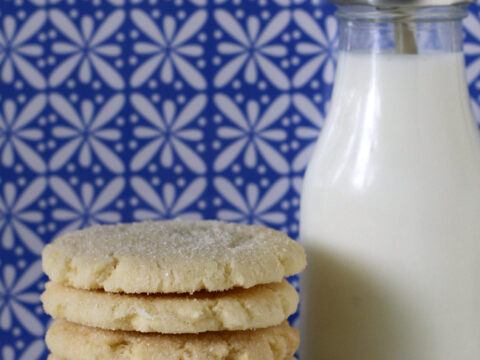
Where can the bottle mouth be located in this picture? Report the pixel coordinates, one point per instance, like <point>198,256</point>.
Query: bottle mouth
<point>403,3</point>
<point>403,14</point>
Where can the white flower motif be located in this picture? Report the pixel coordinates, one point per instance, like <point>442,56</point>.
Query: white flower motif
<point>288,2</point>
<point>87,48</point>
<point>169,49</point>
<point>33,352</point>
<point>15,217</point>
<point>44,2</point>
<point>252,132</point>
<point>14,48</point>
<point>88,132</point>
<point>250,207</point>
<point>85,209</point>
<point>297,184</point>
<point>168,206</point>
<point>116,2</point>
<point>14,295</point>
<point>199,2</point>
<point>324,49</point>
<point>472,49</point>
<point>168,132</point>
<point>307,133</point>
<point>15,133</point>
<point>253,49</point>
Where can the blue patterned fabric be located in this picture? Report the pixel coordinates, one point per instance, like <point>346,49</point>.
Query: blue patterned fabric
<point>127,110</point>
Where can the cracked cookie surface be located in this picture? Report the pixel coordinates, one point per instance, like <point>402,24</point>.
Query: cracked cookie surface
<point>172,257</point>
<point>54,357</point>
<point>76,342</point>
<point>238,309</point>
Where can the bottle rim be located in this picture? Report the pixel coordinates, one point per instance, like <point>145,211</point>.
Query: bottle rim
<point>404,14</point>
<point>403,3</point>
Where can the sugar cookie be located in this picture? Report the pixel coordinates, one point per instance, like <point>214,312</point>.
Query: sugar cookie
<point>172,257</point>
<point>238,309</point>
<point>76,342</point>
<point>53,357</point>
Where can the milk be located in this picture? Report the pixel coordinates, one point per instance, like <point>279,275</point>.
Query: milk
<point>390,215</point>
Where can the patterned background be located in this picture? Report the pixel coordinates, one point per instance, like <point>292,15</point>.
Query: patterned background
<point>123,110</point>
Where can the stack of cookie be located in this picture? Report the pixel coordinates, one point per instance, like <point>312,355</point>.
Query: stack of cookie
<point>171,290</point>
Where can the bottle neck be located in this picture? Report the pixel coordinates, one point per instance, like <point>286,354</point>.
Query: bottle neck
<point>413,55</point>
<point>401,30</point>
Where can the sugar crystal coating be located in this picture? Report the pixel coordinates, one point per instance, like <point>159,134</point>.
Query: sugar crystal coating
<point>238,309</point>
<point>76,342</point>
<point>172,256</point>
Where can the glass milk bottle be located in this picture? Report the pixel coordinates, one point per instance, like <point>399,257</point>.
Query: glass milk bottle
<point>390,209</point>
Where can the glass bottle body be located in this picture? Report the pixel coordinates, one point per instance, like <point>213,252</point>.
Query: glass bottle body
<point>391,200</point>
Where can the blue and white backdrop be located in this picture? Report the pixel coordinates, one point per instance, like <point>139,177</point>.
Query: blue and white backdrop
<point>126,110</point>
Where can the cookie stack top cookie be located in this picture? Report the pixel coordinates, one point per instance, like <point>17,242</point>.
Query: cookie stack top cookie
<point>172,257</point>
